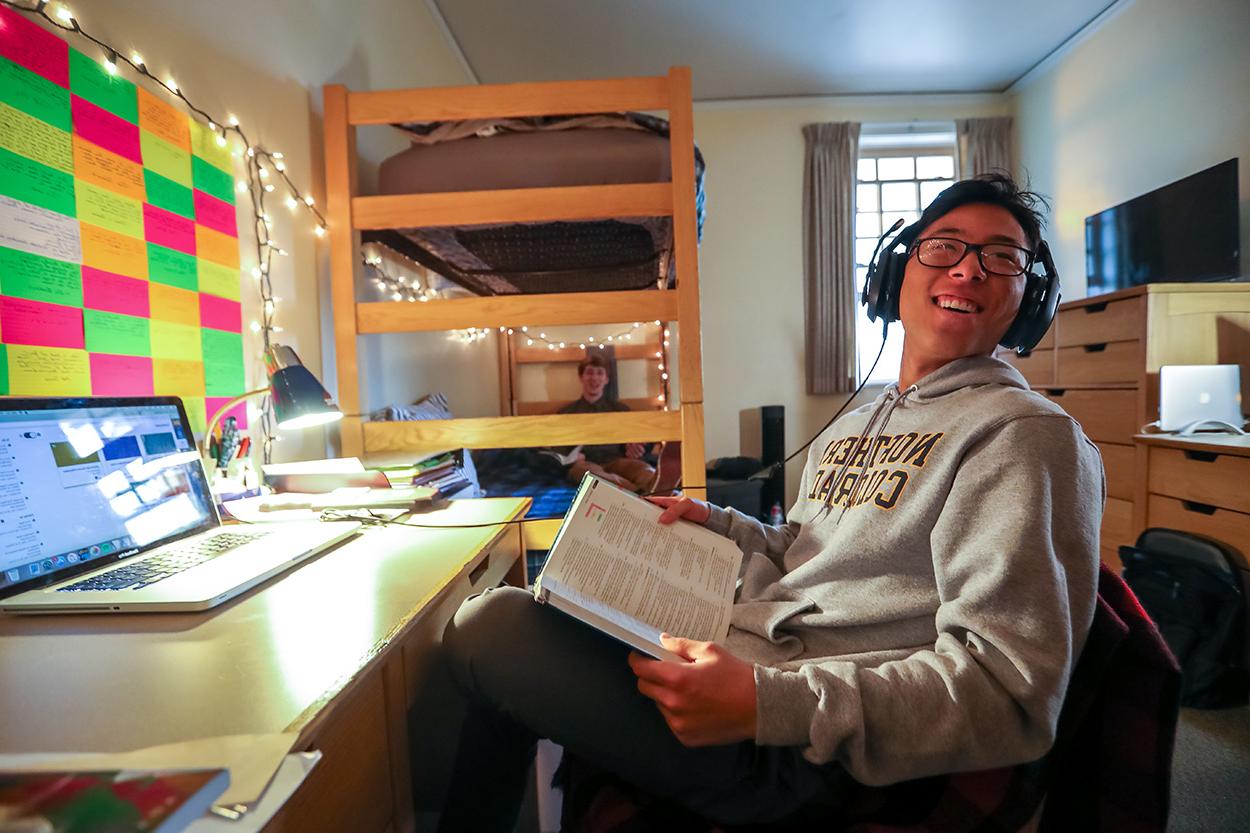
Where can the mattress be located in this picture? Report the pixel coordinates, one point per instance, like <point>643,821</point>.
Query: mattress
<point>577,256</point>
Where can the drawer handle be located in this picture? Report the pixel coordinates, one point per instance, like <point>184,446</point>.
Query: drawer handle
<point>1092,308</point>
<point>1202,456</point>
<point>475,575</point>
<point>1200,508</point>
<point>1056,391</point>
<point>1094,348</point>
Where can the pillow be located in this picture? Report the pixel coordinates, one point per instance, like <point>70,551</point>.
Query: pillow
<point>433,406</point>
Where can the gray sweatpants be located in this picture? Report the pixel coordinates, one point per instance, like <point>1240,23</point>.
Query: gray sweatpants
<point>528,671</point>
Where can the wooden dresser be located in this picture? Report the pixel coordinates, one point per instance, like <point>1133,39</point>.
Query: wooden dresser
<point>1100,361</point>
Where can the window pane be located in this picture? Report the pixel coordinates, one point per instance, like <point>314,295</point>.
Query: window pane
<point>867,225</point>
<point>935,167</point>
<point>863,250</point>
<point>896,167</point>
<point>930,190</point>
<point>898,196</point>
<point>866,197</point>
<point>868,342</point>
<point>868,169</point>
<point>908,217</point>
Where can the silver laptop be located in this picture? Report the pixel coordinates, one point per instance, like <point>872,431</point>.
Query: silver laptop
<point>105,508</point>
<point>1200,396</point>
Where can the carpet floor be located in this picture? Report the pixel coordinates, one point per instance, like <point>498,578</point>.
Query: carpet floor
<point>1211,772</point>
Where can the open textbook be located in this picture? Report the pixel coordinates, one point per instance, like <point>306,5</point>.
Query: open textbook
<point>614,566</point>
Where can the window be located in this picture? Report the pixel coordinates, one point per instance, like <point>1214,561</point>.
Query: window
<point>900,172</point>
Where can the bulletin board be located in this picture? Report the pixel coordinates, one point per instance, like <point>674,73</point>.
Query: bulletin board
<point>119,251</point>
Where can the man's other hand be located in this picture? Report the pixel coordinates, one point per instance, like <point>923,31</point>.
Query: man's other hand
<point>695,511</point>
<point>709,700</point>
<point>634,450</point>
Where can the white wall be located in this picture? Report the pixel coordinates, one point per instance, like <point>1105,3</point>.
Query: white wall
<point>1160,91</point>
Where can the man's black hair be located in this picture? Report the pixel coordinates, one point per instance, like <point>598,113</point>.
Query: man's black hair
<point>993,189</point>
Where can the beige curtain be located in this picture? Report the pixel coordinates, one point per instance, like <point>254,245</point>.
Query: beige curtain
<point>984,145</point>
<point>830,293</point>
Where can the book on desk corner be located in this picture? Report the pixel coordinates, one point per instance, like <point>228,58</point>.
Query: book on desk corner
<point>114,801</point>
<point>615,567</point>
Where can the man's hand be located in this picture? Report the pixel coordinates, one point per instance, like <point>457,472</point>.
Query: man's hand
<point>634,450</point>
<point>708,700</point>
<point>692,510</point>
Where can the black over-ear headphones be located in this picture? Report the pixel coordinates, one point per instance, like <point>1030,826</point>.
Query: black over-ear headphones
<point>1037,307</point>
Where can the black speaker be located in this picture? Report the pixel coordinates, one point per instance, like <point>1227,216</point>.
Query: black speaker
<point>773,450</point>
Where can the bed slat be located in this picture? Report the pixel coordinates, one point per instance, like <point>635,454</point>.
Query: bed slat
<point>517,311</point>
<point>522,431</point>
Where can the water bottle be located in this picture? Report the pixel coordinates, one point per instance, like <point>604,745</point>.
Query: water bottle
<point>776,516</point>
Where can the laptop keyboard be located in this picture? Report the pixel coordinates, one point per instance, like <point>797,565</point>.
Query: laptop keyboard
<point>171,562</point>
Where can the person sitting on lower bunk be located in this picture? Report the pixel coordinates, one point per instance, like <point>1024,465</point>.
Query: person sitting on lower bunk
<point>619,464</point>
<point>919,613</point>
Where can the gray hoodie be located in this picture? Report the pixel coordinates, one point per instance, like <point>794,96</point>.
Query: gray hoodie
<point>922,609</point>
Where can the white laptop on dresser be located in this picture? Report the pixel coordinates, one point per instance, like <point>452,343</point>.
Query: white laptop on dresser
<point>105,508</point>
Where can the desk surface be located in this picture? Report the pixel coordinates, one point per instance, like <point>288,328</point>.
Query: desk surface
<point>1238,444</point>
<point>264,662</point>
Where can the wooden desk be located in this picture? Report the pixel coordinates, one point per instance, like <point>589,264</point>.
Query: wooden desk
<point>337,650</point>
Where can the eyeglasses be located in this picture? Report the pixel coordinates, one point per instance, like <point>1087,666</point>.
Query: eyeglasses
<point>995,258</point>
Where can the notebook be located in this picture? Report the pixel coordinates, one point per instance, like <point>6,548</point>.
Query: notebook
<point>105,508</point>
<point>1198,396</point>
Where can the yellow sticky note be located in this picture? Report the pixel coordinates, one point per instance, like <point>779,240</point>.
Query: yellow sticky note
<point>163,120</point>
<point>222,281</point>
<point>204,145</point>
<point>98,166</point>
<point>35,139</point>
<point>48,371</point>
<point>176,341</point>
<point>170,161</point>
<point>196,410</point>
<point>113,252</point>
<point>172,377</point>
<point>101,207</point>
<point>217,247</point>
<point>177,306</point>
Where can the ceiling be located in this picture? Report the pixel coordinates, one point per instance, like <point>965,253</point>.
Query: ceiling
<point>744,49</point>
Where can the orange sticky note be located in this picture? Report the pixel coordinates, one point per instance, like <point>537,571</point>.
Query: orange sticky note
<point>97,166</point>
<point>113,252</point>
<point>169,303</point>
<point>175,377</point>
<point>163,120</point>
<point>217,247</point>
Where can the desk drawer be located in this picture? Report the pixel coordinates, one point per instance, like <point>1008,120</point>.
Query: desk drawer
<point>1117,529</point>
<point>1106,416</point>
<point>1218,479</point>
<point>1224,525</point>
<point>1102,322</point>
<point>1119,462</point>
<point>1036,366</point>
<point>1101,363</point>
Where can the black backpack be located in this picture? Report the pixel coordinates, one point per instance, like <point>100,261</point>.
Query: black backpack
<point>1192,590</point>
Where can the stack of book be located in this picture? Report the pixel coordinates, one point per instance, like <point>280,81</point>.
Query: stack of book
<point>445,473</point>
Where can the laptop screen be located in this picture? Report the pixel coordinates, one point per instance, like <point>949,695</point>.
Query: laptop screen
<point>88,481</point>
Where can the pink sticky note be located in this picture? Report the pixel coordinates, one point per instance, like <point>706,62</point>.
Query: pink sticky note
<point>114,293</point>
<point>40,324</point>
<point>239,412</point>
<point>167,229</point>
<point>216,214</point>
<point>100,127</point>
<point>26,44</point>
<point>220,313</point>
<point>120,375</point>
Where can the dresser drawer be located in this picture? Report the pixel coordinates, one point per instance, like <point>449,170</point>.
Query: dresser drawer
<point>1221,480</point>
<point>1224,525</point>
<point>1119,461</point>
<point>1036,366</point>
<point>1106,416</point>
<point>1100,363</point>
<point>1102,322</point>
<point>1117,529</point>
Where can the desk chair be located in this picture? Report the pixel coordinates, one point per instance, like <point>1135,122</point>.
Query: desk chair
<point>1109,770</point>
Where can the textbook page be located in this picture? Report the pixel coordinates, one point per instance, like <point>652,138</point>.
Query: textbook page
<point>614,562</point>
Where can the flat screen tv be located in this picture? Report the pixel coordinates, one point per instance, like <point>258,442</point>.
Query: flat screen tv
<point>1186,231</point>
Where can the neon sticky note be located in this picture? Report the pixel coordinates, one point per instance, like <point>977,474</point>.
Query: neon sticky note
<point>121,375</point>
<point>4,370</point>
<point>212,180</point>
<point>170,161</point>
<point>171,268</point>
<point>37,323</point>
<point>223,363</point>
<point>29,228</point>
<point>212,404</point>
<point>169,303</point>
<point>101,207</point>
<point>220,313</point>
<point>48,371</point>
<point>35,139</point>
<point>195,408</point>
<point>35,278</point>
<point>114,134</point>
<point>108,332</point>
<point>114,293</point>
<point>161,119</point>
<point>113,252</point>
<point>164,228</point>
<point>26,180</point>
<point>34,95</point>
<point>217,247</point>
<point>169,195</point>
<point>176,341</point>
<point>204,145</point>
<point>97,166</point>
<point>217,215</point>
<point>221,281</point>
<point>40,51</point>
<point>89,79</point>
<point>174,377</point>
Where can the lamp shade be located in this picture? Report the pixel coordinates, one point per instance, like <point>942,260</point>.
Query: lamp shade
<point>299,400</point>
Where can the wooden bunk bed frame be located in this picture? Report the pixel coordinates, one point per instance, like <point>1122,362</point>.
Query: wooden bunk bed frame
<point>349,213</point>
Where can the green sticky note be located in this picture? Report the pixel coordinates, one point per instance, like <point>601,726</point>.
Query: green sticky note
<point>212,180</point>
<point>171,268</point>
<point>4,370</point>
<point>35,95</point>
<point>101,207</point>
<point>109,332</point>
<point>168,160</point>
<point>169,195</point>
<point>35,139</point>
<point>35,278</point>
<point>223,362</point>
<point>176,341</point>
<point>215,279</point>
<point>88,79</point>
<point>28,181</point>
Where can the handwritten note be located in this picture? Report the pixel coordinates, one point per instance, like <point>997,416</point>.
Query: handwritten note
<point>216,247</point>
<point>35,278</point>
<point>97,166</point>
<point>48,371</point>
<point>26,180</point>
<point>35,139</point>
<point>37,323</point>
<point>88,79</point>
<point>113,252</point>
<point>34,95</point>
<point>204,145</point>
<point>217,215</point>
<point>173,377</point>
<point>101,207</point>
<point>220,313</point>
<point>25,43</point>
<point>223,362</point>
<point>113,293</point>
<point>175,341</point>
<point>120,375</point>
<point>29,228</point>
<point>170,161</point>
<point>108,332</point>
<point>222,378</point>
<point>169,303</point>
<point>171,268</point>
<point>160,119</point>
<point>164,228</point>
<point>212,180</point>
<point>169,195</point>
<point>218,280</point>
<point>95,124</point>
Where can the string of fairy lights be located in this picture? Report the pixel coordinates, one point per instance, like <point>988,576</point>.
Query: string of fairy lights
<point>265,173</point>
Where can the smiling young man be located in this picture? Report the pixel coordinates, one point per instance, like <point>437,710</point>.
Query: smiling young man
<point>919,613</point>
<point>619,464</point>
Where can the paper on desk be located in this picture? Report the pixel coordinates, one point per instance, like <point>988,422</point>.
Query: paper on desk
<point>251,759</point>
<point>334,465</point>
<point>291,773</point>
<point>260,509</point>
